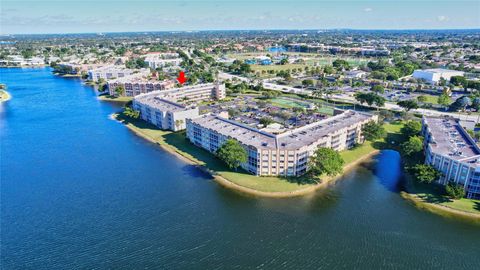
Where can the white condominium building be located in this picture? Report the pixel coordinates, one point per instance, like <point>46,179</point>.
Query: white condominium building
<point>110,72</point>
<point>137,84</point>
<point>284,154</point>
<point>166,109</point>
<point>435,74</point>
<point>163,113</point>
<point>157,60</point>
<point>451,150</point>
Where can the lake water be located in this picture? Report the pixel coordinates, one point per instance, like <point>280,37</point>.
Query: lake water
<point>80,191</point>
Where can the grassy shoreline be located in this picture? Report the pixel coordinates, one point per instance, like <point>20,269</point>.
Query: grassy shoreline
<point>276,187</point>
<point>115,99</point>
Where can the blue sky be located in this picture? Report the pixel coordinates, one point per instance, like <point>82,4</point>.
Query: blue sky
<point>72,16</point>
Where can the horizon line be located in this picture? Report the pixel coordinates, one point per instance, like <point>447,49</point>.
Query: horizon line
<point>233,30</point>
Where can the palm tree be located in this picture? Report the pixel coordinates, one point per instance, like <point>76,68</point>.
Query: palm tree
<point>178,123</point>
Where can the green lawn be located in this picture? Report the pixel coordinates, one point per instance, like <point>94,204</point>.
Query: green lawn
<point>435,194</point>
<point>431,98</point>
<point>287,103</point>
<point>393,131</point>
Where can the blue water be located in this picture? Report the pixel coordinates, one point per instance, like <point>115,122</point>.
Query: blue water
<point>80,191</point>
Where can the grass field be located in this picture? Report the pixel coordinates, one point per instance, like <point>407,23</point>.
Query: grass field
<point>287,103</point>
<point>115,99</point>
<point>435,195</point>
<point>393,131</point>
<point>431,98</point>
<point>277,67</point>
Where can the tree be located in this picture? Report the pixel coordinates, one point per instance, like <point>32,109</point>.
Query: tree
<point>444,100</point>
<point>378,88</point>
<point>232,153</point>
<point>178,123</point>
<point>461,103</point>
<point>476,103</point>
<point>307,83</point>
<point>455,191</point>
<point>424,173</point>
<point>373,131</point>
<point>119,90</point>
<point>326,161</point>
<point>265,121</point>
<point>458,81</point>
<point>422,99</point>
<point>129,112</point>
<point>284,61</point>
<point>413,146</point>
<point>370,98</point>
<point>411,128</point>
<point>408,104</point>
<point>341,64</point>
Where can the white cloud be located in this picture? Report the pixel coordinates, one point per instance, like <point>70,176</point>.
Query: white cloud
<point>443,18</point>
<point>367,9</point>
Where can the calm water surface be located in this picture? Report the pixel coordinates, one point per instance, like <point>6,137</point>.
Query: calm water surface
<point>80,191</point>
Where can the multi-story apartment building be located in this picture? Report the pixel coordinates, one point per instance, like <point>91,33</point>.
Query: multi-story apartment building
<point>284,154</point>
<point>451,150</point>
<point>156,60</point>
<point>137,84</point>
<point>167,110</point>
<point>163,113</point>
<point>110,72</point>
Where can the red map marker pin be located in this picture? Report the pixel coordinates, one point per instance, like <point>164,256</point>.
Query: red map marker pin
<point>181,77</point>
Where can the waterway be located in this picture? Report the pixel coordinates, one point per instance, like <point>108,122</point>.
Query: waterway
<point>80,191</point>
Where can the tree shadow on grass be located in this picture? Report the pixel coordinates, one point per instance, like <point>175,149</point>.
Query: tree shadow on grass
<point>432,193</point>
<point>477,206</point>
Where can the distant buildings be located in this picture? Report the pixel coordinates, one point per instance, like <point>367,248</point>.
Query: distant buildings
<point>109,72</point>
<point>169,109</point>
<point>137,84</point>
<point>435,74</point>
<point>158,60</point>
<point>18,60</point>
<point>355,74</point>
<point>451,150</point>
<point>279,154</point>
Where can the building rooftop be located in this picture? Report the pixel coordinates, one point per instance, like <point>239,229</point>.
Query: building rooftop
<point>292,139</point>
<point>437,70</point>
<point>140,77</point>
<point>163,104</point>
<point>448,138</point>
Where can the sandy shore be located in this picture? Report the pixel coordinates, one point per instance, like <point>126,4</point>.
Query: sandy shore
<point>4,96</point>
<point>231,185</point>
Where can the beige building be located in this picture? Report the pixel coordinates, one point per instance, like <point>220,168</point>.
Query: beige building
<point>137,84</point>
<point>170,109</point>
<point>279,154</point>
<point>110,72</point>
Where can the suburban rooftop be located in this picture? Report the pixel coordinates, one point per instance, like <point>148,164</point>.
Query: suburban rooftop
<point>449,138</point>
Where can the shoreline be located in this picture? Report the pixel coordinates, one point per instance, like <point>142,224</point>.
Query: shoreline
<point>438,209</point>
<point>328,180</point>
